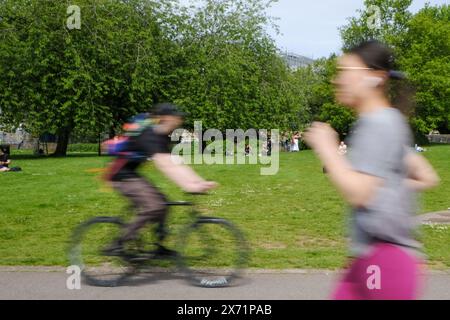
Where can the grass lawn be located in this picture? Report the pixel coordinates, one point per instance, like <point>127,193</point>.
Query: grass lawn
<point>294,219</point>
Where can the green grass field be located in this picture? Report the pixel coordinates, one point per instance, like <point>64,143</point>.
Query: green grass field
<point>294,219</point>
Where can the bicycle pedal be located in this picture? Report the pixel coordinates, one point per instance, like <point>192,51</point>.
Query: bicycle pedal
<point>166,253</point>
<point>138,259</point>
<point>113,253</point>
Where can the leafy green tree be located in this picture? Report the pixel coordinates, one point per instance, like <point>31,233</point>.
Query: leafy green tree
<point>228,72</point>
<point>215,60</point>
<point>426,60</point>
<point>57,80</point>
<point>339,117</point>
<point>314,83</point>
<point>384,20</point>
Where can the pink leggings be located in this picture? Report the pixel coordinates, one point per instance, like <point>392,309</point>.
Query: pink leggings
<point>388,273</point>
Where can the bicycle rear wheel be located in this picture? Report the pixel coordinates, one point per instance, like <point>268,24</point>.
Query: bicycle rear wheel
<point>213,253</point>
<point>89,241</point>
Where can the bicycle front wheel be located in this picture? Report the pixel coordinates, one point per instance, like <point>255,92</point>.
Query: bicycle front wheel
<point>87,251</point>
<point>213,253</point>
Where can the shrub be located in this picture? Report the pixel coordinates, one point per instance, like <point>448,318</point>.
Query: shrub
<point>83,147</point>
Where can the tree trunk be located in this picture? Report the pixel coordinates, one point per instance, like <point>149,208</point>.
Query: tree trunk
<point>63,142</point>
<point>99,145</point>
<point>112,132</point>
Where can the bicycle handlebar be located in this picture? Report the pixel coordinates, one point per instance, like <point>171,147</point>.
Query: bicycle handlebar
<point>179,204</point>
<point>197,193</point>
<point>185,203</point>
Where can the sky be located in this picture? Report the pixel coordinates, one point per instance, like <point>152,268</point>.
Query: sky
<point>310,27</point>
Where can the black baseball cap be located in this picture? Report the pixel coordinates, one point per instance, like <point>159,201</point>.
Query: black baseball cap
<point>168,109</point>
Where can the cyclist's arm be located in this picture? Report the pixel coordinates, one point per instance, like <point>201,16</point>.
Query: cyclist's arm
<point>421,175</point>
<point>179,173</point>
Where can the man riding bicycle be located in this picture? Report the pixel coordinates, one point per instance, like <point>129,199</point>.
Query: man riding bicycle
<point>148,201</point>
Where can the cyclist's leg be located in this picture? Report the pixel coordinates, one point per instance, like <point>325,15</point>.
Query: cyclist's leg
<point>150,204</point>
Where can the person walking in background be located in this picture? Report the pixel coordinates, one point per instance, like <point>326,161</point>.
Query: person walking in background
<point>248,149</point>
<point>285,142</point>
<point>295,142</point>
<point>378,180</point>
<point>342,148</point>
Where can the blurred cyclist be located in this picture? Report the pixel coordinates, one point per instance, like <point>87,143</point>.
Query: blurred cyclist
<point>378,180</point>
<point>148,201</point>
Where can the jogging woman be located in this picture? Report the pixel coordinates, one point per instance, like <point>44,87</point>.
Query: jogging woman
<point>378,179</point>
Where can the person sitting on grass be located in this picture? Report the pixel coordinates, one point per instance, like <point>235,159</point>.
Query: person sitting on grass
<point>4,161</point>
<point>342,148</point>
<point>248,149</point>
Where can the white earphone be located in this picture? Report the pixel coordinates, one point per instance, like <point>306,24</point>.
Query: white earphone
<point>372,82</point>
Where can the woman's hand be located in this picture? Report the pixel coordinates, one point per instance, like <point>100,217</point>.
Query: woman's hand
<point>421,175</point>
<point>322,138</point>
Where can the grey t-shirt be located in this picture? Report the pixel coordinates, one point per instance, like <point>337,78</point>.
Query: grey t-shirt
<point>378,145</point>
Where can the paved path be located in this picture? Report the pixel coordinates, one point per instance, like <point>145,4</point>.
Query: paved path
<point>286,285</point>
<point>440,217</point>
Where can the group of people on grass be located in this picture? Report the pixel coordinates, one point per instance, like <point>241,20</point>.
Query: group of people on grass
<point>265,150</point>
<point>290,142</point>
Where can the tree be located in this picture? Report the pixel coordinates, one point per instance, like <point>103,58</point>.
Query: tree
<point>227,71</point>
<point>314,83</point>
<point>426,60</point>
<point>57,80</point>
<point>215,60</point>
<point>339,117</point>
<point>384,20</point>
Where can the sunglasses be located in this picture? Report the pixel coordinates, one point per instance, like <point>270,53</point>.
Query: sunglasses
<point>354,68</point>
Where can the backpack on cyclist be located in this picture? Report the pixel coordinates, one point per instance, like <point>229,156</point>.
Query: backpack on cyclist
<point>122,145</point>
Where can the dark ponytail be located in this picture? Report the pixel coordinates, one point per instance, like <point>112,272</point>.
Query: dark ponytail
<point>378,56</point>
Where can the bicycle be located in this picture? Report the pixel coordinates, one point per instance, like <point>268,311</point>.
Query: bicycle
<point>194,246</point>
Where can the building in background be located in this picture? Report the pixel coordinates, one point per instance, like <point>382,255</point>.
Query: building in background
<point>295,61</point>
